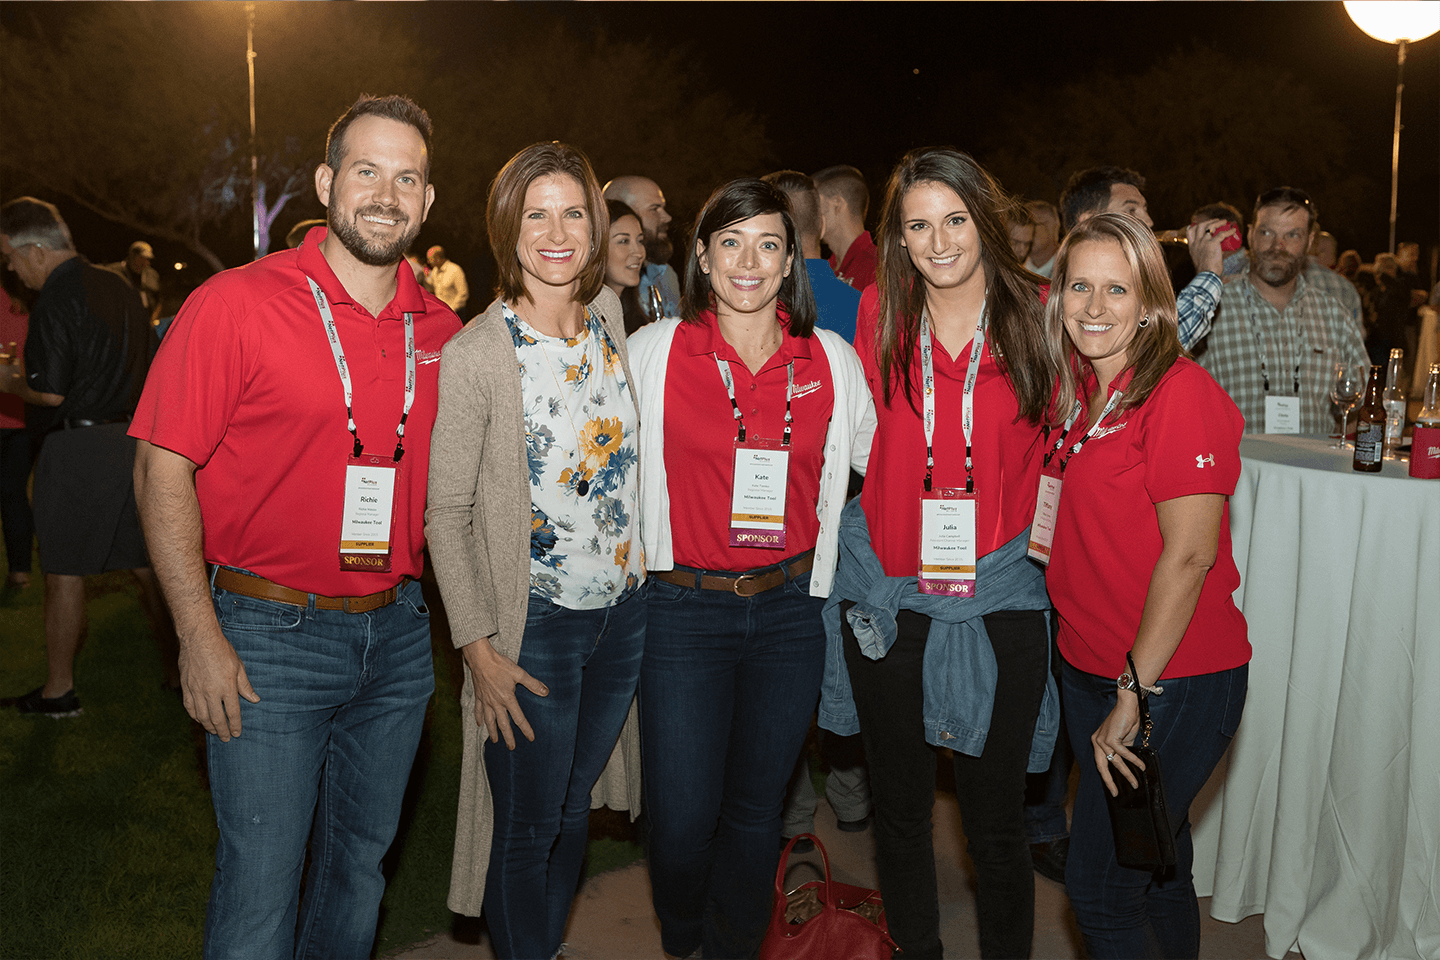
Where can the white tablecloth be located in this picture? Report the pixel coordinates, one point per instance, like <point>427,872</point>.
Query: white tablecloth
<point>1326,815</point>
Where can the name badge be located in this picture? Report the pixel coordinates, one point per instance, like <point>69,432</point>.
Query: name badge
<point>369,509</point>
<point>1282,414</point>
<point>757,494</point>
<point>1042,528</point>
<point>947,542</point>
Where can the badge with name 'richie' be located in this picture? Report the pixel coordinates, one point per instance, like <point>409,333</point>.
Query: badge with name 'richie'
<point>369,510</point>
<point>947,542</point>
<point>757,496</point>
<point>1282,414</point>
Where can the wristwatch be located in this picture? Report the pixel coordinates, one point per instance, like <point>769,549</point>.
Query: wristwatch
<point>1127,682</point>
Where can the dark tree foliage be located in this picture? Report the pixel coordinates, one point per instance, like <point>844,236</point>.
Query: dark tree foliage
<point>140,113</point>
<point>1198,126</point>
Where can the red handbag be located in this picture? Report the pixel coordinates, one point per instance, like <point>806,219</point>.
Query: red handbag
<point>825,919</point>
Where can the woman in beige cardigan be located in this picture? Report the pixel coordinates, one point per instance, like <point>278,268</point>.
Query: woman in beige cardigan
<point>533,525</point>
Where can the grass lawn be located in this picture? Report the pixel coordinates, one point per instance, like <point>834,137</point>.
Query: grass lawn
<point>106,830</point>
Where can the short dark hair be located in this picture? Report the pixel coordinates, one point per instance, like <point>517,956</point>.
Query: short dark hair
<point>506,205</point>
<point>1088,191</point>
<point>1155,346</point>
<point>847,183</point>
<point>392,107</point>
<point>730,204</point>
<point>804,199</point>
<point>1220,210</point>
<point>26,220</point>
<point>1287,199</point>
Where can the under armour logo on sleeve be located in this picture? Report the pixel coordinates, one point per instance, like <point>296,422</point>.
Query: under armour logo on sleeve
<point>1202,462</point>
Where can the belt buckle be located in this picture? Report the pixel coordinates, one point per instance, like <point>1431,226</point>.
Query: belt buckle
<point>742,579</point>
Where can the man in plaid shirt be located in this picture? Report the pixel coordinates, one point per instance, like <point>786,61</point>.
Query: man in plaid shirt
<point>1277,336</point>
<point>1117,190</point>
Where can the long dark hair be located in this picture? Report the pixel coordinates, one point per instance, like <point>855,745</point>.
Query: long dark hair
<point>736,201</point>
<point>635,317</point>
<point>1012,292</point>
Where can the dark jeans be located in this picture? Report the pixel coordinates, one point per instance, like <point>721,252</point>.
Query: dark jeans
<point>325,756</point>
<point>14,504</point>
<point>1046,793</point>
<point>1127,913</point>
<point>590,661</point>
<point>990,788</point>
<point>726,694</point>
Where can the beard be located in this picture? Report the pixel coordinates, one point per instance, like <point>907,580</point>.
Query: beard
<point>657,249</point>
<point>1277,268</point>
<point>372,252</point>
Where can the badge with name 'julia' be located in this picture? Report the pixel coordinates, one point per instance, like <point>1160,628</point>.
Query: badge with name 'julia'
<point>757,494</point>
<point>368,513</point>
<point>947,542</point>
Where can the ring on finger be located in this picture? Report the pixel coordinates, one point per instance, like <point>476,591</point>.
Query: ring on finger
<point>1109,756</point>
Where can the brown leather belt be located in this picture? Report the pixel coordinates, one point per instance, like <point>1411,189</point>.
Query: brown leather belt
<point>746,584</point>
<point>248,585</point>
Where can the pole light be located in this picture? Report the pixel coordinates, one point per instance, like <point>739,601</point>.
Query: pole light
<point>254,155</point>
<point>1400,22</point>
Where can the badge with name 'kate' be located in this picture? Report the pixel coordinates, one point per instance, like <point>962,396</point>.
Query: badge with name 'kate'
<point>368,514</point>
<point>757,494</point>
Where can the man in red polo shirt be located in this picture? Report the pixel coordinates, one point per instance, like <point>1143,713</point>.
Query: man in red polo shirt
<point>844,201</point>
<point>284,441</point>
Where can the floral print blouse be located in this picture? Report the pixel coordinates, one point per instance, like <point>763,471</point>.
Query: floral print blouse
<point>581,443</point>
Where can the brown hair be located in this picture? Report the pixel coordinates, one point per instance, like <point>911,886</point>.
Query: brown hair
<point>506,206</point>
<point>393,107</point>
<point>1012,292</point>
<point>1155,347</point>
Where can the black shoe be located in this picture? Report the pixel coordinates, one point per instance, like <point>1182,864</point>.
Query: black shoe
<point>1049,858</point>
<point>803,845</point>
<point>854,826</point>
<point>65,705</point>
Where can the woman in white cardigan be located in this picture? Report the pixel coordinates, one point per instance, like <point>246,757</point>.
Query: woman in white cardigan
<point>750,422</point>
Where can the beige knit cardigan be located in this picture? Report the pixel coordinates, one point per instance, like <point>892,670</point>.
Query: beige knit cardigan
<point>478,525</point>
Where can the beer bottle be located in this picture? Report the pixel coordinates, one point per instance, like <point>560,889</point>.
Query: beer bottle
<point>1370,430</point>
<point>1394,400</point>
<point>1425,444</point>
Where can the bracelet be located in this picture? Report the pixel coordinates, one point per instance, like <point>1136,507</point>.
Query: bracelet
<point>1133,678</point>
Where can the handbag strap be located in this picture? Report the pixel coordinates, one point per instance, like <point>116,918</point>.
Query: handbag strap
<point>780,891</point>
<point>1143,696</point>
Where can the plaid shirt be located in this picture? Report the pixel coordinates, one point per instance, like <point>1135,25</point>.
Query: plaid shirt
<point>1316,331</point>
<point>1196,305</point>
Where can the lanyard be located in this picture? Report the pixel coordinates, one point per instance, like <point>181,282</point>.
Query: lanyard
<point>333,335</point>
<point>1260,343</point>
<point>724,367</point>
<point>927,368</point>
<point>1070,422</point>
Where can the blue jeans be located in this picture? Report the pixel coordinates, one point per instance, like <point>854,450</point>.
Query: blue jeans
<point>590,661</point>
<point>324,756</point>
<point>1127,913</point>
<point>726,693</point>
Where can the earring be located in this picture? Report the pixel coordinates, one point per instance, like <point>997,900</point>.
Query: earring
<point>1145,322</point>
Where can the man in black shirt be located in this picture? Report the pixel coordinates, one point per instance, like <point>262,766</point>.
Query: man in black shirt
<point>86,356</point>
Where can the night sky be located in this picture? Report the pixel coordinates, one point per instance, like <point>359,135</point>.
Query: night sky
<point>861,83</point>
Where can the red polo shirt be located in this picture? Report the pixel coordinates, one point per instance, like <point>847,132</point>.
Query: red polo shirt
<point>245,386</point>
<point>1183,440</point>
<point>857,267</point>
<point>1007,453</point>
<point>700,434</point>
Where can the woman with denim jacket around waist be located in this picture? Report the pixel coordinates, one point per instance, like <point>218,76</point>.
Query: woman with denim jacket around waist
<point>532,525</point>
<point>1140,566</point>
<point>938,617</point>
<point>751,418</point>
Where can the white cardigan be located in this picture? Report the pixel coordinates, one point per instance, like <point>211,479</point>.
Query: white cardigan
<point>847,444</point>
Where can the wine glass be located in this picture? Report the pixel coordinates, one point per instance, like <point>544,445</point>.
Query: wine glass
<point>1345,389</point>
